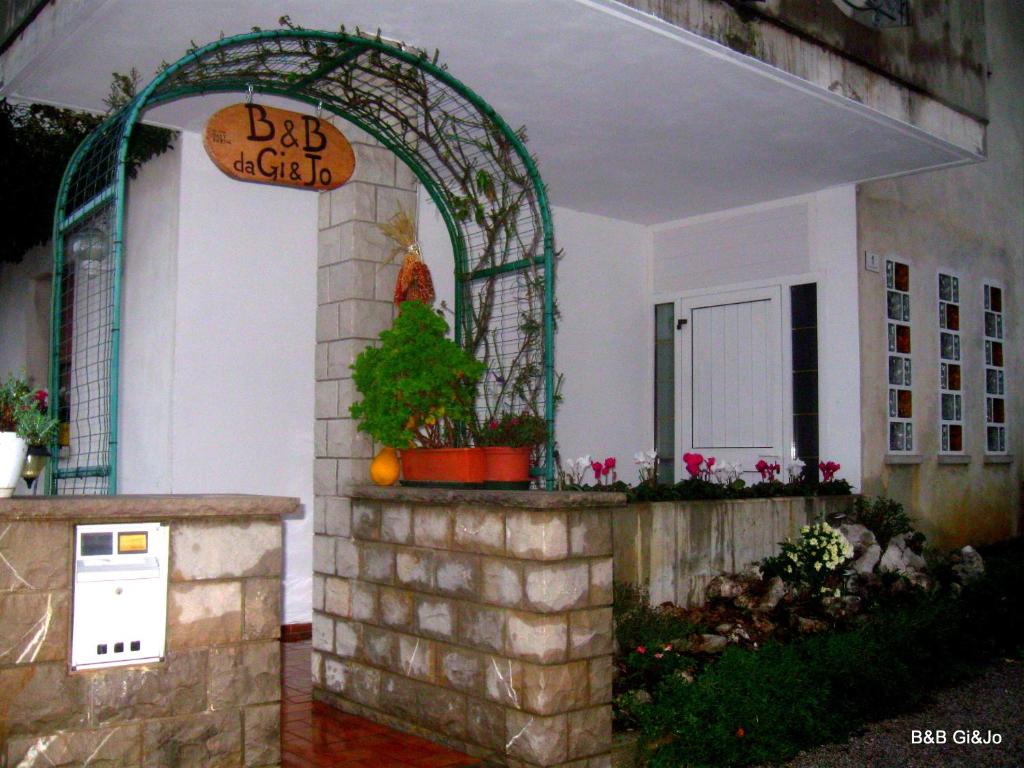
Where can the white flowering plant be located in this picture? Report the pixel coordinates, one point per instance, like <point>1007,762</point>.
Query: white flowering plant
<point>647,467</point>
<point>572,475</point>
<point>814,561</point>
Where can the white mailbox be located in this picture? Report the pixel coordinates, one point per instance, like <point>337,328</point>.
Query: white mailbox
<point>120,602</point>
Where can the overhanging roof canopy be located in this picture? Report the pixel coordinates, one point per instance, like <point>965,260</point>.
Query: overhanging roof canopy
<point>629,117</point>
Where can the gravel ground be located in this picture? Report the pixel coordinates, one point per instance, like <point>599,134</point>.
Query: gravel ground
<point>991,703</point>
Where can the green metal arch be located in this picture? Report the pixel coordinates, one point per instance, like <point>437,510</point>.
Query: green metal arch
<point>506,233</point>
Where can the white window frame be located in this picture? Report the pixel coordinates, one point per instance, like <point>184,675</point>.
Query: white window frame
<point>999,371</point>
<point>957,396</point>
<point>905,364</point>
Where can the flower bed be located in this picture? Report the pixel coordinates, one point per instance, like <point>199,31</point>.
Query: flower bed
<point>773,665</point>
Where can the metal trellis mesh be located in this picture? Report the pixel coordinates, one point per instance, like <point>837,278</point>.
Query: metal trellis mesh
<point>85,310</point>
<point>472,164</point>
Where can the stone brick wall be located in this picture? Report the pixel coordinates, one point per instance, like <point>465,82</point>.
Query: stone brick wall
<point>481,619</point>
<point>215,699</point>
<point>677,548</point>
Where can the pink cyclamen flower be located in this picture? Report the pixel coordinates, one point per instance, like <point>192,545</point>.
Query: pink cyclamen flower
<point>609,464</point>
<point>658,655</point>
<point>693,462</point>
<point>828,470</point>
<point>597,466</point>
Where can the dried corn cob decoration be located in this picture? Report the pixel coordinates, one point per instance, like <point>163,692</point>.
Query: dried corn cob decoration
<point>414,282</point>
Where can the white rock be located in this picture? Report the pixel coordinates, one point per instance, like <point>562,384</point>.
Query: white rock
<point>865,564</point>
<point>899,557</point>
<point>709,644</point>
<point>776,589</point>
<point>724,587</point>
<point>971,565</point>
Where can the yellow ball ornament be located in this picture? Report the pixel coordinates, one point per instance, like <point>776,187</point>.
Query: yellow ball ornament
<point>384,469</point>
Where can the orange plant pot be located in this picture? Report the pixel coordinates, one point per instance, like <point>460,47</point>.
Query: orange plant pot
<point>507,468</point>
<point>442,467</point>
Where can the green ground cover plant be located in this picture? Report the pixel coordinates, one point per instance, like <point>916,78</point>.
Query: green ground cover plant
<point>759,706</point>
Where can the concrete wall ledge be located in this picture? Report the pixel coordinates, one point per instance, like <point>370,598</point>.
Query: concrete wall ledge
<point>166,507</point>
<point>677,547</point>
<point>517,499</point>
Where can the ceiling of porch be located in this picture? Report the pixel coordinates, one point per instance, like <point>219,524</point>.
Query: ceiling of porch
<point>628,117</point>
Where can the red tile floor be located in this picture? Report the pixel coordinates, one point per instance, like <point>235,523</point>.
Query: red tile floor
<point>314,735</point>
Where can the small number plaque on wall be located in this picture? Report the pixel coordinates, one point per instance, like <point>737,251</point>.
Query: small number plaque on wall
<point>253,142</point>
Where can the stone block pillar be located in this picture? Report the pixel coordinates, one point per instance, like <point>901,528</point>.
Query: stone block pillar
<point>355,287</point>
<point>481,619</point>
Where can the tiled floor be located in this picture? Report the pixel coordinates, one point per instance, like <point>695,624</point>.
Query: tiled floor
<point>315,736</point>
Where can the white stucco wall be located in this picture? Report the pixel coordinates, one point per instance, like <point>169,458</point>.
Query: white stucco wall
<point>242,387</point>
<point>148,333</point>
<point>602,346</point>
<point>218,340</point>
<point>810,238</point>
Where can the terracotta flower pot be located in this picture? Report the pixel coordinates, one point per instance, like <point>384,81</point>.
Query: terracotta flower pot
<point>507,468</point>
<point>443,467</point>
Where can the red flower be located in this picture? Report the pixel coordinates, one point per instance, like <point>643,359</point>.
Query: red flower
<point>710,462</point>
<point>641,649</point>
<point>609,464</point>
<point>597,466</point>
<point>693,462</point>
<point>41,397</point>
<point>740,733</point>
<point>828,470</point>
<point>658,655</point>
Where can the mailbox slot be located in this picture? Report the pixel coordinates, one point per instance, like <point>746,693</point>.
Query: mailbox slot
<point>120,603</point>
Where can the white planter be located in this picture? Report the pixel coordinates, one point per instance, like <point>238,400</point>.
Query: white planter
<point>13,450</point>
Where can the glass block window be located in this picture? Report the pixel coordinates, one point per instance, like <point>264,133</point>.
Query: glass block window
<point>951,399</point>
<point>900,393</point>
<point>995,371</point>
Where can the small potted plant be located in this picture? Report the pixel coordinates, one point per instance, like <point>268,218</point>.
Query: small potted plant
<point>25,429</point>
<point>37,428</point>
<point>418,392</point>
<point>508,442</point>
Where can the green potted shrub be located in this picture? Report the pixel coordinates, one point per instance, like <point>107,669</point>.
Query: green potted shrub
<point>508,442</point>
<point>25,430</point>
<point>418,392</point>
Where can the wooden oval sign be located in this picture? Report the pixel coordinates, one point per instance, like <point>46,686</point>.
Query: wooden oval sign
<point>253,142</point>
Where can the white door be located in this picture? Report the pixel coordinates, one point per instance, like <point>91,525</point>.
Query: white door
<point>731,394</point>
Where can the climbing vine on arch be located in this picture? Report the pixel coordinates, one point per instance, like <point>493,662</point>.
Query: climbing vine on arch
<point>475,168</point>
